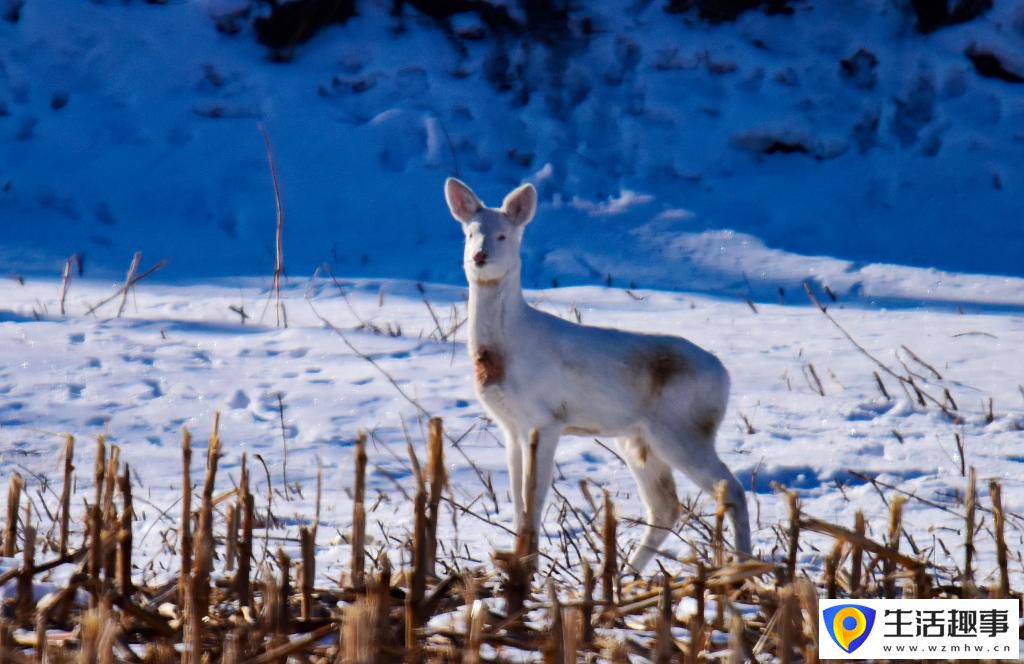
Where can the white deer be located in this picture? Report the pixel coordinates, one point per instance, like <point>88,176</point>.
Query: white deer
<point>662,397</point>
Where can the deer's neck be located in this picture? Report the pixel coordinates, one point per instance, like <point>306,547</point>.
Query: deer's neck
<point>494,307</point>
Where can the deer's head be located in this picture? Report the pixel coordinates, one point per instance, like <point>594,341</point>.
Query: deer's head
<point>493,235</point>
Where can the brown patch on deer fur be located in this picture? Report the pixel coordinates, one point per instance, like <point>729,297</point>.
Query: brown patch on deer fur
<point>581,431</point>
<point>661,365</point>
<point>637,450</point>
<point>667,484</point>
<point>641,452</point>
<point>562,415</point>
<point>489,367</point>
<point>707,423</point>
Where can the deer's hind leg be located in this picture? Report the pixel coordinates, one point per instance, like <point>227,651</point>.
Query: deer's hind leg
<point>691,449</point>
<point>658,491</point>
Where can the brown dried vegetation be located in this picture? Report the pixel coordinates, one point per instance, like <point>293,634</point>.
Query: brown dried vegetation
<point>433,611</point>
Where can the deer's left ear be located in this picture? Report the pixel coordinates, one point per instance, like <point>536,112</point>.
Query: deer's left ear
<point>520,205</point>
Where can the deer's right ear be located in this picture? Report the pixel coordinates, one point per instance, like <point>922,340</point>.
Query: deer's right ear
<point>461,200</point>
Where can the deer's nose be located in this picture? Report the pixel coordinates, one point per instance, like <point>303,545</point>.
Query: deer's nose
<point>479,258</point>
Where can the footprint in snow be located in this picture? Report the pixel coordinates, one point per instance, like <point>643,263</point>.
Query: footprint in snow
<point>154,389</point>
<point>175,425</point>
<point>869,411</point>
<point>143,359</point>
<point>239,400</point>
<point>269,401</point>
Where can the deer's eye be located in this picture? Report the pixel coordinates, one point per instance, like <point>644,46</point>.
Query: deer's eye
<point>501,237</point>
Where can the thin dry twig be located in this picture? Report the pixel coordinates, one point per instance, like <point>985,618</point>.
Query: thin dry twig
<point>160,264</point>
<point>281,316</point>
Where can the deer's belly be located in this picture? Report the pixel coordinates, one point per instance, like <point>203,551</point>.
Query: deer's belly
<point>538,394</point>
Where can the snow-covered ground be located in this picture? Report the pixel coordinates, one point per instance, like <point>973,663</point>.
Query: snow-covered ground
<point>179,354</point>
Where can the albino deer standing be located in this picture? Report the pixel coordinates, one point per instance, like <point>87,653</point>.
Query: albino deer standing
<point>661,397</point>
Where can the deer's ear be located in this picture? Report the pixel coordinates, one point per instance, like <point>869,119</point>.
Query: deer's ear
<point>520,205</point>
<point>461,200</point>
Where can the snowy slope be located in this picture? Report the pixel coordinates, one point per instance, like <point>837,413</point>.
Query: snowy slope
<point>133,127</point>
<point>180,354</point>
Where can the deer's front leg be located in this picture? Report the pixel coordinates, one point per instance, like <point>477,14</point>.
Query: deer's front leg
<point>547,441</point>
<point>513,450</point>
